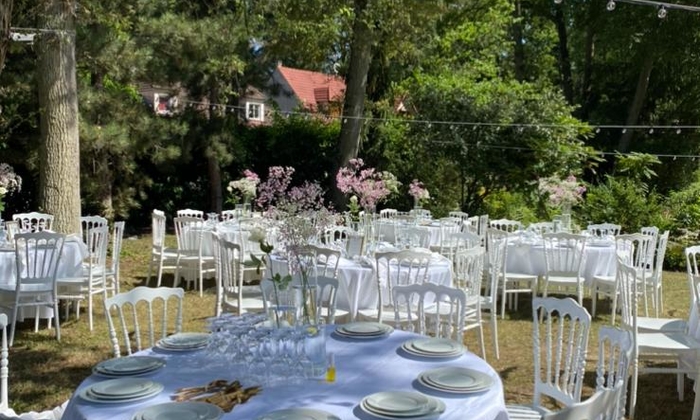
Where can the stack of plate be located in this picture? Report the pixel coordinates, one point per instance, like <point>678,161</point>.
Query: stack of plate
<point>364,330</point>
<point>456,380</point>
<point>121,390</point>
<point>298,414</point>
<point>433,347</point>
<point>184,342</point>
<point>402,405</point>
<point>188,410</point>
<point>128,366</point>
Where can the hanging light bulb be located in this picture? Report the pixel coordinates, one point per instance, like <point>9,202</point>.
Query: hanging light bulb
<point>611,5</point>
<point>662,12</point>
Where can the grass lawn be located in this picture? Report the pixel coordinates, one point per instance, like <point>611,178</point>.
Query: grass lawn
<point>44,372</point>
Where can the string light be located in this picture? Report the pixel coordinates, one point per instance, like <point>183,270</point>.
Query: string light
<point>662,7</point>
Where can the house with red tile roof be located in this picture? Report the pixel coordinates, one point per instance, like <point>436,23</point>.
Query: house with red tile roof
<point>295,89</point>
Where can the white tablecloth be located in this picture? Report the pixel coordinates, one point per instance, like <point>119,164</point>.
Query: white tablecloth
<point>387,230</point>
<point>363,368</point>
<point>529,259</point>
<point>357,286</point>
<point>70,264</point>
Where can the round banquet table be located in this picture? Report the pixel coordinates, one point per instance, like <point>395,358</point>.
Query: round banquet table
<point>362,368</point>
<point>357,287</point>
<point>528,258</point>
<point>70,265</point>
<point>387,229</point>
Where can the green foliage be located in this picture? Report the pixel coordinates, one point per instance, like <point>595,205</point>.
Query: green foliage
<point>511,205</point>
<point>623,201</point>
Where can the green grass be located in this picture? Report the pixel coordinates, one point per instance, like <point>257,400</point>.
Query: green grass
<point>44,372</point>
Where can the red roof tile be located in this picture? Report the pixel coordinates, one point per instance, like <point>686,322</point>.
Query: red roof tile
<point>311,86</point>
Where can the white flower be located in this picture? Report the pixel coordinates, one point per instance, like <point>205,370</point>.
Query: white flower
<point>257,234</point>
<point>3,190</point>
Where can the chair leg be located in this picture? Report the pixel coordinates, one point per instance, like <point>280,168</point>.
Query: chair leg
<point>14,324</point>
<point>494,334</point>
<point>36,319</point>
<point>633,389</point>
<point>150,267</point>
<point>160,272</point>
<point>594,298</point>
<point>90,310</point>
<point>481,341</point>
<point>58,322</point>
<point>503,299</point>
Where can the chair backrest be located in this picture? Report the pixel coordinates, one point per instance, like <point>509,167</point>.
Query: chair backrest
<point>496,248</point>
<point>37,255</point>
<point>634,247</point>
<point>130,309</point>
<point>560,346</point>
<point>387,213</point>
<point>465,240</point>
<point>117,239</point>
<point>446,318</point>
<point>190,213</point>
<point>615,347</point>
<point>231,273</point>
<point>541,227</point>
<point>398,268</point>
<point>603,229</point>
<point>4,370</point>
<point>189,231</point>
<point>448,227</point>
<point>506,225</point>
<point>87,223</point>
<point>420,214</point>
<point>600,406</point>
<point>653,233</point>
<point>97,241</point>
<point>326,296</point>
<point>692,256</point>
<point>462,216</point>
<point>564,254</point>
<point>337,235</point>
<point>660,256</point>
<point>469,272</point>
<point>12,228</point>
<point>227,215</point>
<point>327,261</point>
<point>158,229</point>
<point>626,278</point>
<point>417,236</point>
<point>33,221</point>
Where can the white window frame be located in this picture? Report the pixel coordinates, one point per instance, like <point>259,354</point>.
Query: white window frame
<point>250,106</point>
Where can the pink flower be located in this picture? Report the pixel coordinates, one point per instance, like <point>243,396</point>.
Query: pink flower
<point>370,186</point>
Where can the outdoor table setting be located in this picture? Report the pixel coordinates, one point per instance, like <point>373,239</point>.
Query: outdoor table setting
<point>247,369</point>
<point>70,265</point>
<point>526,255</point>
<point>356,276</point>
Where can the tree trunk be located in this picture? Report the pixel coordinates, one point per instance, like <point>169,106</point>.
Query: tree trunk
<point>59,171</point>
<point>640,95</point>
<point>564,61</point>
<point>589,53</point>
<point>356,84</point>
<point>5,23</point>
<point>215,191</point>
<point>519,50</point>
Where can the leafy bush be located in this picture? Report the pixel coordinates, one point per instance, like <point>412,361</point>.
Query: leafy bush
<point>623,201</point>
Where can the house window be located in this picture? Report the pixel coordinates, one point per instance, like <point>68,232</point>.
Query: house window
<point>255,111</point>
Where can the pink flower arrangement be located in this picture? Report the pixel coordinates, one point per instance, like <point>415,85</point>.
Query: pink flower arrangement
<point>369,185</point>
<point>418,191</point>
<point>275,186</point>
<point>562,192</point>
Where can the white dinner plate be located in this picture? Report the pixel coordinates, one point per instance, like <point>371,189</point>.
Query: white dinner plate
<point>456,379</point>
<point>298,414</point>
<point>399,403</point>
<point>184,341</point>
<point>187,410</point>
<point>437,346</point>
<point>433,410</point>
<point>133,365</point>
<point>362,337</point>
<point>122,387</point>
<point>122,390</point>
<point>364,328</point>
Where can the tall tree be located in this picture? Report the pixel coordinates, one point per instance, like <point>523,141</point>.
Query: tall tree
<point>59,190</point>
